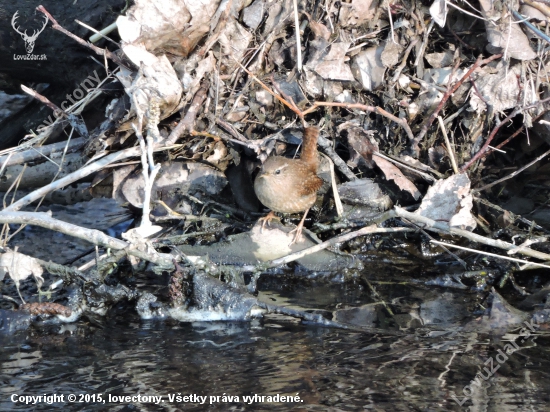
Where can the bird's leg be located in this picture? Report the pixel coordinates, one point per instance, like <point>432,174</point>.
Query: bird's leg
<point>267,220</point>
<point>299,228</point>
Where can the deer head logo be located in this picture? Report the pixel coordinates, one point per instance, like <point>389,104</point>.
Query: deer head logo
<point>29,40</point>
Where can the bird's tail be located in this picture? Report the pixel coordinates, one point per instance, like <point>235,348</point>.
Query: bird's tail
<point>309,148</point>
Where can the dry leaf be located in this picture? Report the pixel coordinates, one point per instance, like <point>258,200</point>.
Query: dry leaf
<point>501,90</point>
<point>167,25</point>
<point>361,142</point>
<point>356,13</point>
<point>254,14</point>
<point>450,200</point>
<point>235,38</point>
<point>319,29</point>
<point>505,34</point>
<point>439,60</point>
<point>332,65</point>
<point>438,10</point>
<point>20,267</point>
<point>391,54</point>
<point>393,173</point>
<point>156,79</point>
<point>368,68</point>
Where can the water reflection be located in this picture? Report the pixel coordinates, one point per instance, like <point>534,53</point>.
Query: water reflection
<point>329,369</point>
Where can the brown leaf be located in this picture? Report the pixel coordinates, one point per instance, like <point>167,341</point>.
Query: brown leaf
<point>46,308</point>
<point>393,173</point>
<point>319,30</point>
<point>360,142</point>
<point>356,13</point>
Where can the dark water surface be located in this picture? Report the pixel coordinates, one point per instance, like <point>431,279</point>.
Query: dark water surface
<point>419,368</point>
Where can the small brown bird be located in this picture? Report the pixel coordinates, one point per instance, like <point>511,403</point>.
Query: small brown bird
<point>290,185</point>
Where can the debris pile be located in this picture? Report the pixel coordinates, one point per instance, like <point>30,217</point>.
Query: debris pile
<point>432,107</point>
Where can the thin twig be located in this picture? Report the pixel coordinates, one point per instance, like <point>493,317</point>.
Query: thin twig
<point>100,34</point>
<point>336,195</point>
<point>149,172</point>
<point>485,147</point>
<point>402,122</point>
<point>531,26</point>
<point>448,94</point>
<point>42,99</point>
<point>262,84</point>
<point>103,32</point>
<point>481,252</point>
<point>444,227</point>
<point>400,164</point>
<point>374,109</point>
<point>231,130</point>
<point>188,121</point>
<point>448,143</point>
<point>79,174</point>
<point>334,241</point>
<point>391,24</point>
<point>99,51</point>
<point>517,172</point>
<point>516,133</point>
<point>403,63</point>
<point>298,40</point>
<point>525,221</point>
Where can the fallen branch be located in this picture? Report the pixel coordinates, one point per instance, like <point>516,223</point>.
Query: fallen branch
<point>443,244</point>
<point>444,227</point>
<point>188,121</point>
<point>93,236</point>
<point>32,154</point>
<point>79,174</point>
<point>73,177</point>
<point>369,230</point>
<point>326,147</point>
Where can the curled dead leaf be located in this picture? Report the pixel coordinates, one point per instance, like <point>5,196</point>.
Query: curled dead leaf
<point>393,173</point>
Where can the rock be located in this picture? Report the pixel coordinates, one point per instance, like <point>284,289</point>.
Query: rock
<point>270,243</point>
<point>264,98</point>
<point>254,14</point>
<point>174,179</point>
<point>364,192</point>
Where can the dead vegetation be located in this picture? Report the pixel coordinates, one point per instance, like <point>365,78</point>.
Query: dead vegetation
<point>442,104</point>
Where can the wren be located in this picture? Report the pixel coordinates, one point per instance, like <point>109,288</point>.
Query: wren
<point>290,185</point>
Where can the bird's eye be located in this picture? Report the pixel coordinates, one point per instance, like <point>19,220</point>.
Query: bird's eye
<point>278,171</point>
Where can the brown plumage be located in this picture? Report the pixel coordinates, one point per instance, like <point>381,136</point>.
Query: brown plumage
<point>290,185</point>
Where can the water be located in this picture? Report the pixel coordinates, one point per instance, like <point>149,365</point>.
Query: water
<point>419,368</point>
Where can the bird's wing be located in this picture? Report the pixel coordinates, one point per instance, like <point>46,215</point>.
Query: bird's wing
<point>311,183</point>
